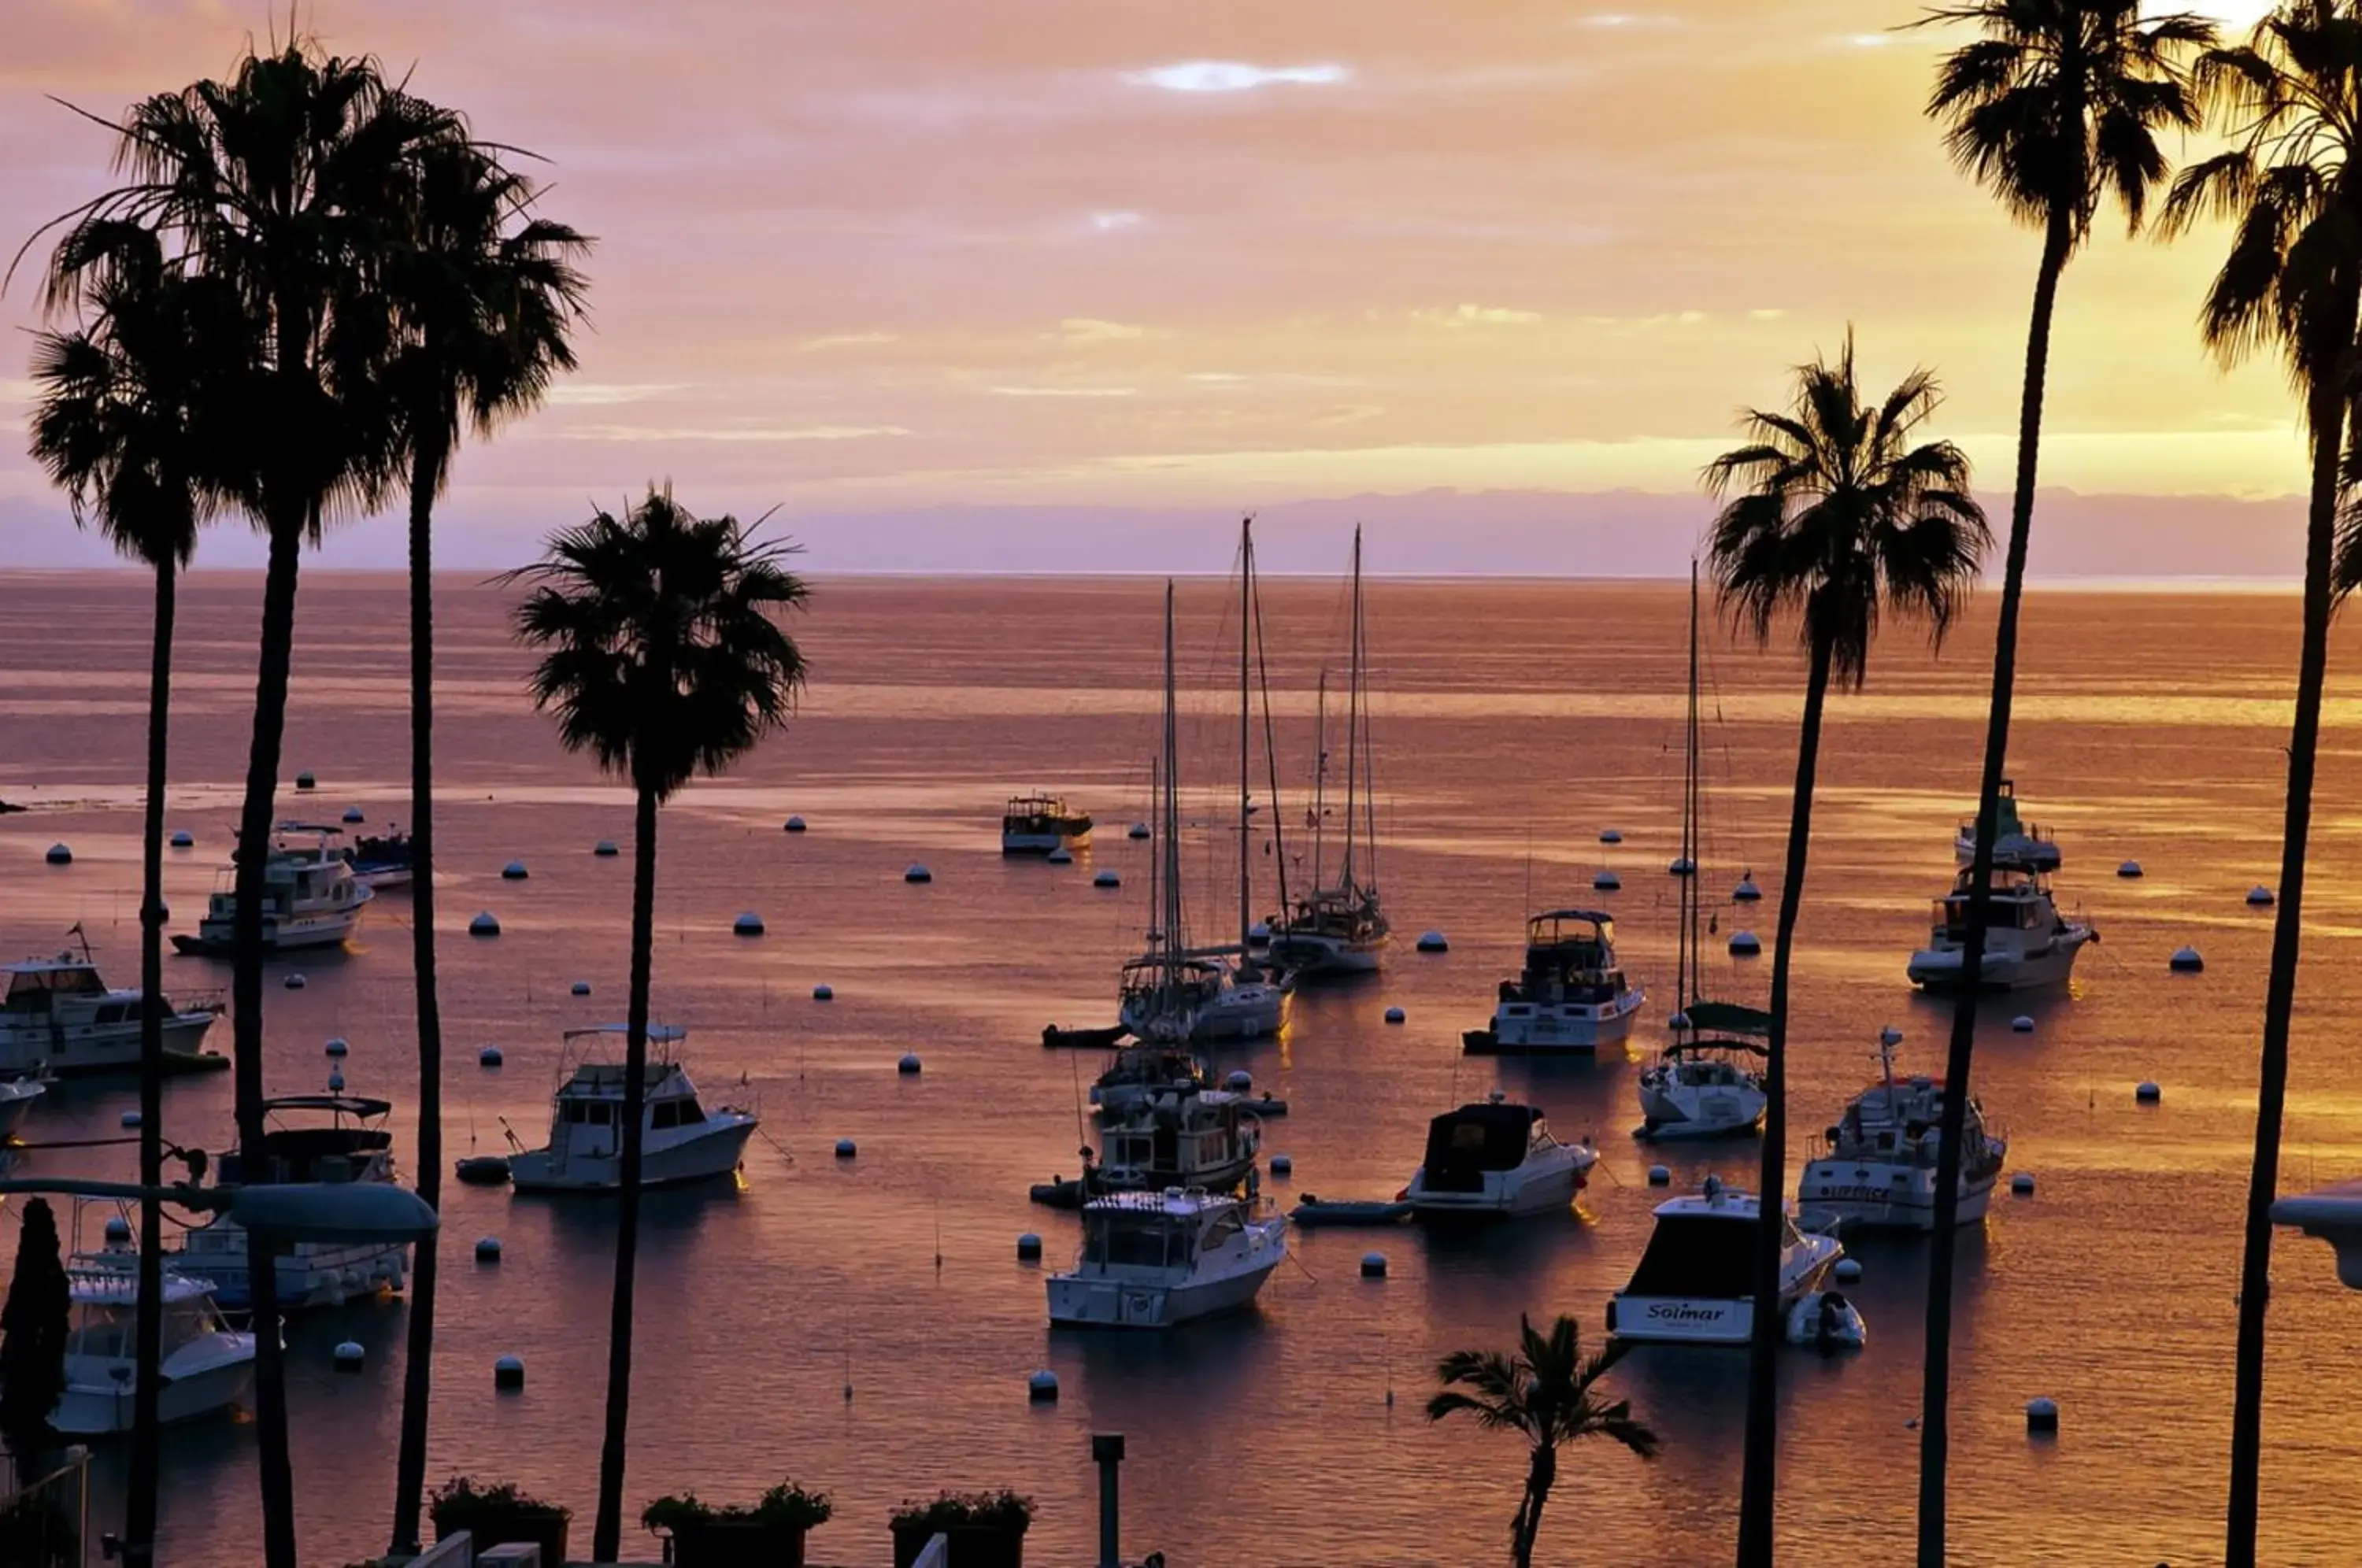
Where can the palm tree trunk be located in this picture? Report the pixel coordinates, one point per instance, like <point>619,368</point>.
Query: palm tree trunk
<point>1539,1478</point>
<point>1935,1393</point>
<point>418,1368</point>
<point>2279,993</point>
<point>1758,1481</point>
<point>277,1478</point>
<point>606,1536</point>
<point>140,1507</point>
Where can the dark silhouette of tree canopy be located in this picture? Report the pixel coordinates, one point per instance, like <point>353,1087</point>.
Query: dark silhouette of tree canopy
<point>33,1327</point>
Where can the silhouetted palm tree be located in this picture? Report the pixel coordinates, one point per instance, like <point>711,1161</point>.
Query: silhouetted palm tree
<point>487,293</point>
<point>2289,102</point>
<point>663,659</point>
<point>1835,517</point>
<point>119,424</point>
<point>288,183</point>
<point>1548,1393</point>
<point>2055,108</point>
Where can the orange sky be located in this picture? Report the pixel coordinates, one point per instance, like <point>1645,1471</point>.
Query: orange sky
<point>917,253</point>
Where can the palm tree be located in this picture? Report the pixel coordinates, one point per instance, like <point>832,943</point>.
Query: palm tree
<point>1834,516</point>
<point>2289,102</point>
<point>487,295</point>
<point>120,426</point>
<point>2056,108</point>
<point>288,183</point>
<point>1546,1391</point>
<point>663,659</point>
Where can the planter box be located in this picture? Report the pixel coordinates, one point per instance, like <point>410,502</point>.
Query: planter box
<point>972,1546</point>
<point>743,1543</point>
<point>547,1532</point>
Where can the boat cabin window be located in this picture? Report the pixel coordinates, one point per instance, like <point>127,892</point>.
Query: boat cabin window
<point>1698,1256</point>
<point>674,1113</point>
<point>594,1112</point>
<point>1463,1145</point>
<point>1225,1227</point>
<point>1124,1242</point>
<point>112,1013</point>
<point>31,990</point>
<point>189,1320</point>
<point>102,1329</point>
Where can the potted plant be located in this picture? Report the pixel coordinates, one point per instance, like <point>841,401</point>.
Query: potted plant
<point>771,1534</point>
<point>986,1530</point>
<point>497,1514</point>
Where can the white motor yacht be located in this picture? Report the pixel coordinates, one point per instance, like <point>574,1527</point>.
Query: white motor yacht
<point>680,1141</point>
<point>2027,943</point>
<point>1696,1282</point>
<point>382,860</point>
<point>1571,996</point>
<point>1495,1158</point>
<point>59,1016</point>
<point>1876,1169</point>
<point>1155,1260</point>
<point>310,897</point>
<point>1042,824</point>
<point>307,1138</point>
<point>2016,842</point>
<point>1138,1074</point>
<point>205,1367</point>
<point>1182,1137</point>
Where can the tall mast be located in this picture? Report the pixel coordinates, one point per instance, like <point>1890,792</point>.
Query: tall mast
<point>1686,962</point>
<point>1172,824</point>
<point>1320,779</point>
<point>1362,689</point>
<point>1353,719</point>
<point>1246,745</point>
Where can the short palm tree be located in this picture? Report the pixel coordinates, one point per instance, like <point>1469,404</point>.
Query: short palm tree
<point>2056,107</point>
<point>2290,103</point>
<point>288,183</point>
<point>1548,1393</point>
<point>663,657</point>
<point>1830,515</point>
<point>487,295</point>
<point>119,424</point>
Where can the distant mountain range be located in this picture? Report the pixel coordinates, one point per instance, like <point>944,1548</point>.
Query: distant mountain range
<point>1437,532</point>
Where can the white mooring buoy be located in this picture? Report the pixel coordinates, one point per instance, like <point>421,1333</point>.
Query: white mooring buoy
<point>1848,1270</point>
<point>2022,1184</point>
<point>1239,1081</point>
<point>580,988</point>
<point>2259,896</point>
<point>490,1056</point>
<point>2129,869</point>
<point>1433,941</point>
<point>793,825</point>
<point>1138,831</point>
<point>349,1355</point>
<point>1745,945</point>
<point>335,1080</point>
<point>1107,878</point>
<point>1659,1176</point>
<point>294,982</point>
<point>305,780</point>
<point>338,1046</point>
<point>484,924</point>
<point>355,814</point>
<point>1374,1266</point>
<point>2042,1415</point>
<point>1747,892</point>
<point>488,1249</point>
<point>823,993</point>
<point>1042,1386</point>
<point>748,923</point>
<point>1395,1015</point>
<point>909,1065</point>
<point>131,1119</point>
<point>1609,835</point>
<point>2022,1024</point>
<point>59,855</point>
<point>605,849</point>
<point>2186,961</point>
<point>513,872</point>
<point>918,873</point>
<point>1061,856</point>
<point>1028,1248</point>
<point>1281,1164</point>
<point>182,838</point>
<point>1890,1036</point>
<point>508,1374</point>
<point>2148,1093</point>
<point>1605,882</point>
<point>846,1148</point>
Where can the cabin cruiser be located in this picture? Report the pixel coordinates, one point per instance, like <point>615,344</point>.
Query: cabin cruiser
<point>680,1141</point>
<point>205,1367</point>
<point>1180,1138</point>
<point>1877,1166</point>
<point>58,1016</point>
<point>2027,943</point>
<point>1571,996</point>
<point>307,1138</point>
<point>1709,1082</point>
<point>310,897</point>
<point>1139,1073</point>
<point>1695,1283</point>
<point>2016,842</point>
<point>1497,1158</point>
<point>1155,1260</point>
<point>1042,824</point>
<point>382,860</point>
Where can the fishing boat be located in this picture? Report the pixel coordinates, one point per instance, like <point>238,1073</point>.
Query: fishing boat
<point>1571,996</point>
<point>1695,1283</point>
<point>205,1367</point>
<point>1156,1260</point>
<point>1876,1167</point>
<point>1497,1159</point>
<point>1138,1074</point>
<point>382,860</point>
<point>680,1141</point>
<point>1042,824</point>
<point>2029,944</point>
<point>310,897</point>
<point>2016,842</point>
<point>306,1138</point>
<point>58,1016</point>
<point>1202,1138</point>
<point>1339,928</point>
<point>1709,1081</point>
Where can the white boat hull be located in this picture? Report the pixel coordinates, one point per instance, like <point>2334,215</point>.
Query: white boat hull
<point>213,1372</point>
<point>1938,968</point>
<point>712,1151</point>
<point>1530,1188</point>
<point>96,1048</point>
<point>326,928</point>
<point>1709,1320</point>
<point>2013,849</point>
<point>1540,1028</point>
<point>1870,1195</point>
<point>1683,1111</point>
<point>313,1275</point>
<point>1313,955</point>
<point>1084,1301</point>
<point>1043,843</point>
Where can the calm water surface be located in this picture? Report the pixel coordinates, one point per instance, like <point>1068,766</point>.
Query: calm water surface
<point>1514,722</point>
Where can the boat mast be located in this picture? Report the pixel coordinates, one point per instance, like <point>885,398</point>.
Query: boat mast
<point>1320,777</point>
<point>1686,963</point>
<point>1362,689</point>
<point>1353,719</point>
<point>1246,744</point>
<point>1172,823</point>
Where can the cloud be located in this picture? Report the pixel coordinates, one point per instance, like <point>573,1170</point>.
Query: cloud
<point>730,432</point>
<point>1063,391</point>
<point>1085,329</point>
<point>601,395</point>
<point>845,340</point>
<point>1233,76</point>
<point>1624,21</point>
<point>1116,221</point>
<point>1476,315</point>
<point>1765,315</point>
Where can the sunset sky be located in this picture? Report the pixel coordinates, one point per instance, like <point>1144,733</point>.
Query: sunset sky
<point>1059,261</point>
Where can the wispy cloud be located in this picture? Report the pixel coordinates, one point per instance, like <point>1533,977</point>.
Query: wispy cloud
<point>592,394</point>
<point>1063,391</point>
<point>1629,22</point>
<point>1233,76</point>
<point>1476,315</point>
<point>1765,315</point>
<point>845,340</point>
<point>757,433</point>
<point>1086,330</point>
<point>1116,220</point>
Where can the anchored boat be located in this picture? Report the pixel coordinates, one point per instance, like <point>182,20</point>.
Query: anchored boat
<point>59,1016</point>
<point>310,897</point>
<point>680,1141</point>
<point>1497,1159</point>
<point>1876,1167</point>
<point>1695,1284</point>
<point>205,1367</point>
<point>1042,824</point>
<point>2029,944</point>
<point>1570,997</point>
<point>1156,1260</point>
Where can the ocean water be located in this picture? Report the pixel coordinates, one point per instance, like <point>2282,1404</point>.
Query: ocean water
<point>864,1325</point>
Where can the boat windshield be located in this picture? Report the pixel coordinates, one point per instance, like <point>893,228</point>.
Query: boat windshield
<point>32,988</point>
<point>1697,1256</point>
<point>1124,1239</point>
<point>1463,1145</point>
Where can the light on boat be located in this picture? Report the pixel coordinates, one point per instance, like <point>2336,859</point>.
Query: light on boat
<point>1374,1266</point>
<point>508,1374</point>
<point>484,924</point>
<point>349,1355</point>
<point>59,855</point>
<point>1394,1015</point>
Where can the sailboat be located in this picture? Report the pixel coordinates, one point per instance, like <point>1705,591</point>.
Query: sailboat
<point>1339,928</point>
<point>1708,1082</point>
<point>1173,993</point>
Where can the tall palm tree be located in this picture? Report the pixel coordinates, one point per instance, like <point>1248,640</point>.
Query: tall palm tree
<point>288,182</point>
<point>2289,102</point>
<point>1830,515</point>
<point>118,424</point>
<point>1546,1391</point>
<point>2055,108</point>
<point>487,295</point>
<point>663,657</point>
